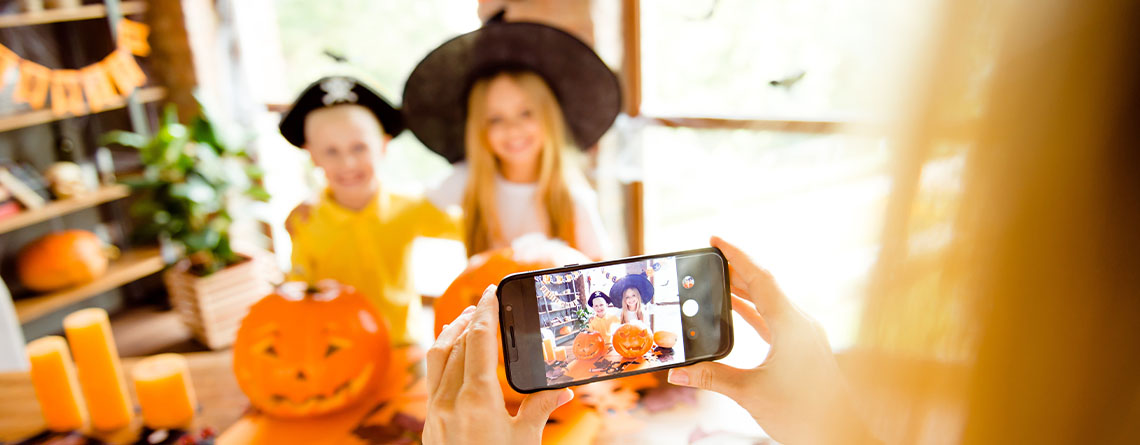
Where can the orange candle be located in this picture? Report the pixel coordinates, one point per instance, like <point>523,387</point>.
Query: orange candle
<point>548,349</point>
<point>100,373</point>
<point>560,354</point>
<point>53,376</point>
<point>166,396</point>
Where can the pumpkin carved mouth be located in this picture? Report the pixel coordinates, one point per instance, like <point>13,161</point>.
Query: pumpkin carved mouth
<point>319,403</point>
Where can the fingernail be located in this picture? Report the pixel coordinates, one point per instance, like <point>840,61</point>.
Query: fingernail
<point>469,310</point>
<point>678,377</point>
<point>565,397</point>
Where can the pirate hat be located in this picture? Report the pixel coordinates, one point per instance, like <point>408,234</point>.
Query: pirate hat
<point>338,90</point>
<point>435,95</point>
<point>599,294</point>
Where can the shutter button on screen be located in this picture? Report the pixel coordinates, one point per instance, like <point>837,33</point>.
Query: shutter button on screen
<point>690,308</point>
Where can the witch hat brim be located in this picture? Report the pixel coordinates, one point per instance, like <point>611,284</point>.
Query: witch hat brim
<point>338,90</point>
<point>639,281</point>
<point>435,95</point>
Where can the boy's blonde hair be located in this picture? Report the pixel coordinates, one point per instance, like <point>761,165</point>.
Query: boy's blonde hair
<point>480,212</point>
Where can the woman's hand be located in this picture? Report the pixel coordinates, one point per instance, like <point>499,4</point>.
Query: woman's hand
<point>798,394</point>
<point>465,405</point>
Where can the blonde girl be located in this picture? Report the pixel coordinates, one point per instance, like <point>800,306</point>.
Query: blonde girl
<point>498,104</point>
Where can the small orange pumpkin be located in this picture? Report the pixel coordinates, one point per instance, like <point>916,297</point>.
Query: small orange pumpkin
<point>61,260</point>
<point>304,351</point>
<point>632,340</point>
<point>665,339</point>
<point>589,346</point>
<point>565,330</point>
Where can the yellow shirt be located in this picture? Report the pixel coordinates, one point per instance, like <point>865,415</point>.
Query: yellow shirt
<point>603,325</point>
<point>370,249</point>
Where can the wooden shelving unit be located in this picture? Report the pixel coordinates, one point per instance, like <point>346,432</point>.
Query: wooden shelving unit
<point>86,12</point>
<point>63,207</point>
<point>129,267</point>
<point>30,118</point>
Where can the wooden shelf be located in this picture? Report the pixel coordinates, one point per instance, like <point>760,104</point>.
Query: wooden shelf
<point>57,15</point>
<point>62,207</point>
<point>131,266</point>
<point>37,117</point>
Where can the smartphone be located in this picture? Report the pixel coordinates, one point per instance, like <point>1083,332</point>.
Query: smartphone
<point>584,323</point>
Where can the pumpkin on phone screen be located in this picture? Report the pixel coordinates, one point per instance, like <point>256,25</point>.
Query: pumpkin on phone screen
<point>589,346</point>
<point>308,350</point>
<point>632,340</point>
<point>665,339</point>
<point>62,259</point>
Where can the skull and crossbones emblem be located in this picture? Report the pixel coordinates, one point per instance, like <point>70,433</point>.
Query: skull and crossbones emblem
<point>338,90</point>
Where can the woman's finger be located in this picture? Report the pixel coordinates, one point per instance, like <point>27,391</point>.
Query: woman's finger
<point>452,377</point>
<point>440,351</point>
<point>755,283</point>
<point>482,339</point>
<point>748,312</point>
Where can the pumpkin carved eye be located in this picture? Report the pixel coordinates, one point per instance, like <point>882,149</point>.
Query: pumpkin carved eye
<point>336,344</point>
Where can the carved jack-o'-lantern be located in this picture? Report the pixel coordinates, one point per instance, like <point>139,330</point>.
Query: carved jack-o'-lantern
<point>304,351</point>
<point>632,340</point>
<point>589,346</point>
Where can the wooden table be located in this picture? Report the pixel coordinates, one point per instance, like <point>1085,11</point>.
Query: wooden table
<point>218,393</point>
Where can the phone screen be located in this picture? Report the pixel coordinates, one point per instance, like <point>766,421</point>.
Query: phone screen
<point>622,317</point>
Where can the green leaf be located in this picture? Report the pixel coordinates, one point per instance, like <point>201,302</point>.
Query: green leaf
<point>258,192</point>
<point>170,114</point>
<point>202,240</point>
<point>126,139</point>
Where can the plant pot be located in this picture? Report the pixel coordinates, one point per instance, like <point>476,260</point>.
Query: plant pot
<point>213,306</point>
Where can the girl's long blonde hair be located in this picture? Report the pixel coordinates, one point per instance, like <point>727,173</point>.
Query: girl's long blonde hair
<point>479,207</point>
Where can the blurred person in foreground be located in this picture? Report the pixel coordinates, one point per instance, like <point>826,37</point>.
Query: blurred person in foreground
<point>1029,332</point>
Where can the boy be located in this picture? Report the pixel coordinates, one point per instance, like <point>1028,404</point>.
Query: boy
<point>358,233</point>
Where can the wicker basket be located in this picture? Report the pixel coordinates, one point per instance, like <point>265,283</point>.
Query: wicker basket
<point>213,306</point>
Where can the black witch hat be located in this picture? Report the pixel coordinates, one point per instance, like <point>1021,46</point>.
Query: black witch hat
<point>435,95</point>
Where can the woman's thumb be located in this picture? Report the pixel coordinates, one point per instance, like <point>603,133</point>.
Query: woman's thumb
<point>709,375</point>
<point>536,408</point>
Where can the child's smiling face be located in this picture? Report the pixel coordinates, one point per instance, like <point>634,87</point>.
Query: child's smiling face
<point>632,297</point>
<point>514,127</point>
<point>599,306</point>
<point>345,141</point>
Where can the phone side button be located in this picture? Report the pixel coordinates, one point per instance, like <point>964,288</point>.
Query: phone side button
<point>571,265</point>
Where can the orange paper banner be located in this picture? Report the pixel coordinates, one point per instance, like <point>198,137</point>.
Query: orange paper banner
<point>97,87</point>
<point>67,93</point>
<point>124,71</point>
<point>102,83</point>
<point>132,36</point>
<point>32,88</point>
<point>8,59</point>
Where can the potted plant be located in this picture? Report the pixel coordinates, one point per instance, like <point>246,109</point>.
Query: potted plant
<point>192,179</point>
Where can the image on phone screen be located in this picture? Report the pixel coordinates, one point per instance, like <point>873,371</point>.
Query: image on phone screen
<point>611,319</point>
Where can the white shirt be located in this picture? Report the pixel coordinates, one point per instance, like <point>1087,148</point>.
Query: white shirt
<point>521,212</point>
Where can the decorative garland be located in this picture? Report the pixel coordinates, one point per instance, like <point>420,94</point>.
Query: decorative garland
<point>102,83</point>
